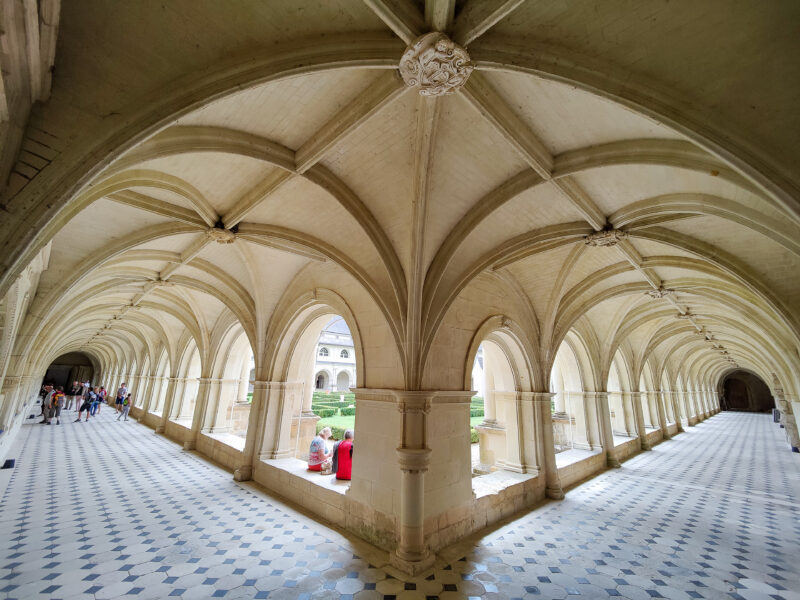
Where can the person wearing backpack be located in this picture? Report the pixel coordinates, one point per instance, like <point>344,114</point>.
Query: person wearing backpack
<point>126,407</point>
<point>88,399</point>
<point>57,404</point>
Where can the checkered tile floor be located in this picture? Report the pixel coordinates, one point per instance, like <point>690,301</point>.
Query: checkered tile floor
<point>107,509</point>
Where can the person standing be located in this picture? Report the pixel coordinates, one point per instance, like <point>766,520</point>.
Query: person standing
<point>87,404</point>
<point>95,400</point>
<point>47,403</point>
<point>74,395</point>
<point>57,404</point>
<point>126,407</point>
<point>122,393</point>
<point>102,398</point>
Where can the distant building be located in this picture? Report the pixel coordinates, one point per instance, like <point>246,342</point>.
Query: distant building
<point>335,369</point>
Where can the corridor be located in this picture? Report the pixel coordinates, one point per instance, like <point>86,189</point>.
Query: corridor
<point>107,509</point>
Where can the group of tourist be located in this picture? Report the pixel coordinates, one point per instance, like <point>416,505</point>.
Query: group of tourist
<point>339,460</point>
<point>85,398</point>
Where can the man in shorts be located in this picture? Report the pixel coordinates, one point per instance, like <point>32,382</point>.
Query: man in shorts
<point>122,393</point>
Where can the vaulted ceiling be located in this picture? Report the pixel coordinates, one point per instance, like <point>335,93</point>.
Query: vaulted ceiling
<point>214,156</point>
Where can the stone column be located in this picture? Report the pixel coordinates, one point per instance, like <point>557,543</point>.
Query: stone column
<point>552,481</point>
<point>143,399</point>
<point>605,430</point>
<point>8,400</point>
<point>676,409</point>
<point>244,382</point>
<point>636,402</point>
<point>219,408</point>
<point>658,400</point>
<point>412,554</point>
<point>244,470</point>
<point>281,400</point>
<point>169,401</point>
<point>206,392</point>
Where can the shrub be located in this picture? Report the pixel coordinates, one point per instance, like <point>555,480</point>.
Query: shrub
<point>323,412</point>
<point>473,436</point>
<point>348,411</point>
<point>476,412</point>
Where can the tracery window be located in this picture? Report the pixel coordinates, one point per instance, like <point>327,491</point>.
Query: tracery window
<point>344,354</point>
<point>323,352</point>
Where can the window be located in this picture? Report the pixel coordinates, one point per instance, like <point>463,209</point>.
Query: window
<point>323,352</point>
<point>344,354</point>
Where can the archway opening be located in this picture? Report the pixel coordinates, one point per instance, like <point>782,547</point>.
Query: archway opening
<point>567,407</point>
<point>187,387</point>
<point>67,368</point>
<point>501,414</point>
<point>231,390</point>
<point>745,391</point>
<point>620,403</point>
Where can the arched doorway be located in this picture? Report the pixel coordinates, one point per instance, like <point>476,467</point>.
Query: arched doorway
<point>745,391</point>
<point>74,366</point>
<point>321,380</point>
<point>343,382</point>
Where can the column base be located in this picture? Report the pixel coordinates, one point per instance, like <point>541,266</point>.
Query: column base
<point>159,429</point>
<point>188,445</point>
<point>666,435</point>
<point>243,473</point>
<point>612,462</point>
<point>554,493</point>
<point>413,565</point>
<point>646,446</point>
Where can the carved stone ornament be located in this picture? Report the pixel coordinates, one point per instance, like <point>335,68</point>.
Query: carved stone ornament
<point>435,64</point>
<point>605,237</point>
<point>221,236</point>
<point>686,315</point>
<point>661,292</point>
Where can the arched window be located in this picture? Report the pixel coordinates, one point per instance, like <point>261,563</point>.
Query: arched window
<point>344,354</point>
<point>323,352</point>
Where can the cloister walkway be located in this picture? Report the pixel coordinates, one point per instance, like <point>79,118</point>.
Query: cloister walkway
<point>107,509</point>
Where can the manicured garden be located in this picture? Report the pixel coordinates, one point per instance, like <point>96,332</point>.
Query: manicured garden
<point>340,416</point>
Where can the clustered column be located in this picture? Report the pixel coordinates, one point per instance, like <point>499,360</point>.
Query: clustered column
<point>412,554</point>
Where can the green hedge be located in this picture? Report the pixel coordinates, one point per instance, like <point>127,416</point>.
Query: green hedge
<point>473,436</point>
<point>348,411</point>
<point>323,412</point>
<point>333,397</point>
<point>476,412</point>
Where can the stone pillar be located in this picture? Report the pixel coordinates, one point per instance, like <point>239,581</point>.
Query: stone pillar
<point>143,398</point>
<point>788,421</point>
<point>628,415</point>
<point>208,388</point>
<point>586,432</point>
<point>244,470</point>
<point>281,401</point>
<point>412,554</point>
<point>220,404</point>
<point>552,481</point>
<point>672,397</point>
<point>169,401</point>
<point>8,400</point>
<point>636,402</point>
<point>244,382</point>
<point>658,400</point>
<point>605,430</point>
